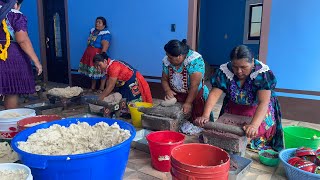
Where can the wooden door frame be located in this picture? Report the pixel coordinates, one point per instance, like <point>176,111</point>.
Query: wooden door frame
<point>42,38</point>
<point>193,23</point>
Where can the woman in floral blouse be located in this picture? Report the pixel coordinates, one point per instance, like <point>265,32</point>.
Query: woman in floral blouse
<point>249,87</point>
<point>183,77</point>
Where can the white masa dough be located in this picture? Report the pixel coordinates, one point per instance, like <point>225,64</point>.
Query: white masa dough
<point>7,155</point>
<point>34,124</point>
<point>169,102</point>
<point>18,174</point>
<point>76,139</point>
<point>113,98</point>
<point>11,115</point>
<point>67,92</point>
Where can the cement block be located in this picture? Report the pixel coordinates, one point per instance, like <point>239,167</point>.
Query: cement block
<point>156,123</point>
<point>226,141</point>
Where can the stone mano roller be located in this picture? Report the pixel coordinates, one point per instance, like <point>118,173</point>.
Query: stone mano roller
<point>227,133</point>
<point>225,128</point>
<point>173,112</point>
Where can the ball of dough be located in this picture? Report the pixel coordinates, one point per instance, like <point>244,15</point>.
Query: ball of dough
<point>113,98</point>
<point>169,102</point>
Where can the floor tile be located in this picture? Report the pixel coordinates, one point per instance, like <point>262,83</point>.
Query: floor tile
<point>280,171</point>
<point>137,166</point>
<point>129,172</point>
<point>264,177</point>
<point>276,177</point>
<point>257,165</point>
<point>140,176</point>
<point>136,154</point>
<point>152,172</point>
<point>250,176</point>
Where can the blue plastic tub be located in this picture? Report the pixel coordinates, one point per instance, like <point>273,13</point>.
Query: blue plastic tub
<point>108,164</point>
<point>292,172</point>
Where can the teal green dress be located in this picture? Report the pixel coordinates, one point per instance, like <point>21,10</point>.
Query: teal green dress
<point>244,100</point>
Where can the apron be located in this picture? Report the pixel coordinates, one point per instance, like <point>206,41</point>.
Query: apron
<point>128,89</point>
<point>178,82</point>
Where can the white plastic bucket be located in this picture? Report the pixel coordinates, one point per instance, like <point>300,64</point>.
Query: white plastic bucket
<point>16,166</point>
<point>8,125</point>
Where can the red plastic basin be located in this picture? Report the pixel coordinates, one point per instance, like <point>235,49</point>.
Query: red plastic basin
<point>35,119</point>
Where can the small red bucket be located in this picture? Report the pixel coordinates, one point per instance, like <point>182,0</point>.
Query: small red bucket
<point>160,144</point>
<point>197,161</point>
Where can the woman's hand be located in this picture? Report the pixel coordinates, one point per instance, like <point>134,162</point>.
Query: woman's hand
<point>201,121</point>
<point>251,130</point>
<point>169,94</point>
<point>39,68</point>
<point>186,108</point>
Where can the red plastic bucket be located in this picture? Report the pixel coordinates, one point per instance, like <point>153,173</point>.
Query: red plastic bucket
<point>160,144</point>
<point>199,161</point>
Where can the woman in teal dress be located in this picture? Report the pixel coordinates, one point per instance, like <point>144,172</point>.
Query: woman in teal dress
<point>183,77</point>
<point>249,87</point>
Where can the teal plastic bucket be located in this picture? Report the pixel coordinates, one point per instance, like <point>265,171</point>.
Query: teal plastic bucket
<point>298,136</point>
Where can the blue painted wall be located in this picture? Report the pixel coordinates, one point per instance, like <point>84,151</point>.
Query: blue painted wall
<point>139,29</point>
<point>294,40</point>
<point>217,19</point>
<point>29,9</point>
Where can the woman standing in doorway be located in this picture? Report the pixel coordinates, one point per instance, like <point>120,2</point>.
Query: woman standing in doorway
<point>98,43</point>
<point>16,51</point>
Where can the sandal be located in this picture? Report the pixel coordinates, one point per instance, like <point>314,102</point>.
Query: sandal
<point>99,91</point>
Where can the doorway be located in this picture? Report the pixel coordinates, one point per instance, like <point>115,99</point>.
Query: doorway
<point>223,25</point>
<point>55,38</point>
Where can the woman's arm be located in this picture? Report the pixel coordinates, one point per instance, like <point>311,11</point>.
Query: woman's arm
<point>195,80</point>
<point>260,114</point>
<point>23,40</point>
<point>105,46</point>
<point>214,96</point>
<point>111,82</point>
<point>166,87</point>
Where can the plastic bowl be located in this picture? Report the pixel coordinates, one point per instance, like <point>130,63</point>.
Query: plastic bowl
<point>297,136</point>
<point>292,172</point>
<point>16,166</point>
<point>109,163</point>
<point>268,161</point>
<point>23,124</point>
<point>8,126</point>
